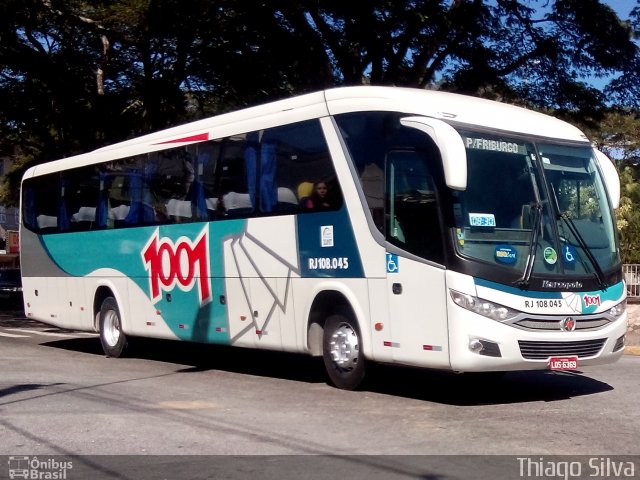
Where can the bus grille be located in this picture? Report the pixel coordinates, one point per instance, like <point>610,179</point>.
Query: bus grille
<point>553,324</point>
<point>544,350</point>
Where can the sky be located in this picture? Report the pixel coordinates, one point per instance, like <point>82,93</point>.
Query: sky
<point>622,7</point>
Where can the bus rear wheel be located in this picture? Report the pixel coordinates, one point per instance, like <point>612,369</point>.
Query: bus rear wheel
<point>113,340</point>
<point>342,352</point>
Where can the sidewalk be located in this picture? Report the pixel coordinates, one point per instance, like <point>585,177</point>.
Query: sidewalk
<point>633,332</point>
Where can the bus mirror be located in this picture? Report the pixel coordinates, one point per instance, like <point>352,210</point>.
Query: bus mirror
<point>451,145</point>
<point>611,178</point>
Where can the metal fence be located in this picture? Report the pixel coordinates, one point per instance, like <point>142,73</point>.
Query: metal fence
<point>632,278</point>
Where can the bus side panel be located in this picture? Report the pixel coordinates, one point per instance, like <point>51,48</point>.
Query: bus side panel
<point>237,293</point>
<point>139,316</point>
<point>78,305</point>
<point>42,300</point>
<point>260,264</point>
<point>418,313</point>
<point>380,322</point>
<point>354,291</point>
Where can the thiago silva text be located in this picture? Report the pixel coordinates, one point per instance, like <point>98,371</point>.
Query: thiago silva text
<point>596,467</point>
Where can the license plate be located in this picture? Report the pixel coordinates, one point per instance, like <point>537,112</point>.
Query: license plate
<point>563,363</point>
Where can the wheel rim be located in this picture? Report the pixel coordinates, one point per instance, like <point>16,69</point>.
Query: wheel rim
<point>111,328</point>
<point>344,347</point>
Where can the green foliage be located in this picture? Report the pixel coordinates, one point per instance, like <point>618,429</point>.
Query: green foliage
<point>78,74</point>
<point>618,136</point>
<point>628,215</point>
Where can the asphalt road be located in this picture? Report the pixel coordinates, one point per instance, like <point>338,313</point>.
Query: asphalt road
<point>59,395</point>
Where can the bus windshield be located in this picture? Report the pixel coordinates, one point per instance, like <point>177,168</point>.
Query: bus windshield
<point>536,208</point>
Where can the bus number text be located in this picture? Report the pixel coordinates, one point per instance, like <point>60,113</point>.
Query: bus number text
<point>329,263</point>
<point>543,304</point>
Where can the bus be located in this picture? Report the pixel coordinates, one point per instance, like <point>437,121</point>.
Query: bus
<point>358,224</point>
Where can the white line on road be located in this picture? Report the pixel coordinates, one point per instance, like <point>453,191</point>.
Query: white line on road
<point>39,332</point>
<point>11,335</point>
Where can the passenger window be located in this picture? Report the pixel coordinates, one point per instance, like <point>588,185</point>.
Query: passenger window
<point>237,161</point>
<point>273,171</point>
<point>170,175</point>
<point>40,203</point>
<point>266,172</point>
<point>296,167</point>
<point>79,198</point>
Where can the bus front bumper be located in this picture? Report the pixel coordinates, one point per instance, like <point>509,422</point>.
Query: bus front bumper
<point>480,344</point>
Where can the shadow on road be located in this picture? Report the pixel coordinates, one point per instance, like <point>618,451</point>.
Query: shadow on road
<point>419,384</point>
<point>484,389</point>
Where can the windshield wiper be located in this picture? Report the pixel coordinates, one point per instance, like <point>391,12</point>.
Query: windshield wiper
<point>523,282</point>
<point>599,274</point>
<point>597,271</point>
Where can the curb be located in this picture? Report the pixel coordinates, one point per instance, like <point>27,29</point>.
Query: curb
<point>632,350</point>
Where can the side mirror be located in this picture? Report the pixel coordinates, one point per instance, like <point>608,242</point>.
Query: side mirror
<point>611,178</point>
<point>451,145</point>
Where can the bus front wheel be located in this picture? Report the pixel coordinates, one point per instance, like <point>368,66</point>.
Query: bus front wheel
<point>112,338</point>
<point>342,352</point>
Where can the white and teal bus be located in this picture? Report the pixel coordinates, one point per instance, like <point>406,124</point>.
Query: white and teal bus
<point>360,224</point>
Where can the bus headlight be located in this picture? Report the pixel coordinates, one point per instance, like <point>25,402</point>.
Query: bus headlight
<point>483,307</point>
<point>617,310</point>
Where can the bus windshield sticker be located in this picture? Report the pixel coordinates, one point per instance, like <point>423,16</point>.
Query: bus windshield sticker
<point>460,235</point>
<point>550,255</point>
<point>506,254</point>
<point>495,145</point>
<point>482,220</point>
<point>326,236</point>
<point>569,253</point>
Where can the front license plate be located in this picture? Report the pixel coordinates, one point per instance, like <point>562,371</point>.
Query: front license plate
<point>563,363</point>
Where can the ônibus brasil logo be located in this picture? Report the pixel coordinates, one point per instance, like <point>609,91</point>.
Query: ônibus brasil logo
<point>182,264</point>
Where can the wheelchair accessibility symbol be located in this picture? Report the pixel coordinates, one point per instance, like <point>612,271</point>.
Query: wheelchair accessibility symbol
<point>392,263</point>
<point>569,254</point>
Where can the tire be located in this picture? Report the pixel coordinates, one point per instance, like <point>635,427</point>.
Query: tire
<point>342,353</point>
<point>113,340</point>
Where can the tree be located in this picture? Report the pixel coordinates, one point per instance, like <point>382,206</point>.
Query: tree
<point>79,74</point>
<point>618,136</point>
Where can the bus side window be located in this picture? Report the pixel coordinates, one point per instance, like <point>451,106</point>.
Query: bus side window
<point>293,158</point>
<point>207,154</point>
<point>80,195</point>
<point>372,181</point>
<point>40,203</point>
<point>412,218</point>
<point>232,189</point>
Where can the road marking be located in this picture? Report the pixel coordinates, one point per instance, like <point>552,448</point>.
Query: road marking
<point>11,335</point>
<point>38,332</point>
<point>185,405</point>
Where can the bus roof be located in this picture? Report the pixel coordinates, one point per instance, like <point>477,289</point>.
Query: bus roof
<point>449,107</point>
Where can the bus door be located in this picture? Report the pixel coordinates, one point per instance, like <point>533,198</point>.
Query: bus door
<point>415,278</point>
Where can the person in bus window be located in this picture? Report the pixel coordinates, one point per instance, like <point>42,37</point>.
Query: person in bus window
<point>318,200</point>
